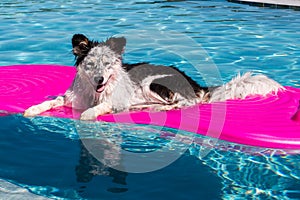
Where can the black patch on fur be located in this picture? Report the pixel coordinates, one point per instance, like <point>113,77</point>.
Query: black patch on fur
<point>163,91</point>
<point>196,87</point>
<point>128,67</point>
<point>166,87</point>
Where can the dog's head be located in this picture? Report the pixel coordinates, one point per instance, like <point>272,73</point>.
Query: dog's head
<point>99,62</point>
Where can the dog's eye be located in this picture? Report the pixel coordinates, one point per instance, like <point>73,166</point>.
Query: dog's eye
<point>89,65</point>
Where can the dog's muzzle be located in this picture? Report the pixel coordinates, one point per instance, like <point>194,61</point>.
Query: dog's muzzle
<point>99,81</point>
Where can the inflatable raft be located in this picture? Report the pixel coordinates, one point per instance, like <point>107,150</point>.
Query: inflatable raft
<point>272,121</point>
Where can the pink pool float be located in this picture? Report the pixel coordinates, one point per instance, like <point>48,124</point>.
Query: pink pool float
<point>272,121</point>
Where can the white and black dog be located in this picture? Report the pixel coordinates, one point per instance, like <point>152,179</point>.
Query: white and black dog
<point>104,84</point>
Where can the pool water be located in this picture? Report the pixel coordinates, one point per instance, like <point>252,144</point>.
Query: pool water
<point>48,157</point>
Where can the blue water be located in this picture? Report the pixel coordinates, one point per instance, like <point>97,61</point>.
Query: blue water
<point>48,157</point>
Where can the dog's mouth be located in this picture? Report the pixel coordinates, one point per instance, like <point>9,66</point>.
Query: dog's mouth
<point>100,87</point>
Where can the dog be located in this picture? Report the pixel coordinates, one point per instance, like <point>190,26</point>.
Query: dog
<point>104,84</point>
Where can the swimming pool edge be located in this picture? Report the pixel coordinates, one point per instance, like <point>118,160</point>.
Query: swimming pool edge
<point>291,4</point>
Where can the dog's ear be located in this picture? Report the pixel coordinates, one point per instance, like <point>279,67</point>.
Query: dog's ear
<point>80,45</point>
<point>117,44</point>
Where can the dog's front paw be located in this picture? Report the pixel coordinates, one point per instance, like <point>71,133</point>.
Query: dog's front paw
<point>89,114</point>
<point>32,111</point>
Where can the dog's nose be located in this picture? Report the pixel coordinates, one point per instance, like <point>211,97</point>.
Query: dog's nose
<point>99,79</point>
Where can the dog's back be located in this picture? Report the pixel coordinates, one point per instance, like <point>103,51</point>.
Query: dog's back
<point>168,82</point>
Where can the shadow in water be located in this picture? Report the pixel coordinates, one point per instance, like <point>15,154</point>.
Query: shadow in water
<point>89,167</point>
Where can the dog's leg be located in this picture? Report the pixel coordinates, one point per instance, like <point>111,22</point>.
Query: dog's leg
<point>94,112</point>
<point>42,107</point>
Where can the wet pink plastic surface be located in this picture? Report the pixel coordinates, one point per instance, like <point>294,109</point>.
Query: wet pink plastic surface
<point>272,121</point>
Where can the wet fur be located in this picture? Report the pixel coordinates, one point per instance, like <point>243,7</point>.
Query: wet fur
<point>104,84</point>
